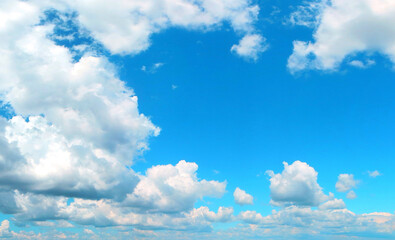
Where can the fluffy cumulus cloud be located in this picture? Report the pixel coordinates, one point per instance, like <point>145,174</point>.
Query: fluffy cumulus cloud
<point>164,198</point>
<point>74,125</point>
<point>340,32</point>
<point>351,195</point>
<point>250,46</point>
<point>171,188</point>
<point>296,185</point>
<point>301,221</point>
<point>125,27</point>
<point>333,204</point>
<point>345,182</point>
<point>5,229</point>
<point>242,198</point>
<point>72,128</point>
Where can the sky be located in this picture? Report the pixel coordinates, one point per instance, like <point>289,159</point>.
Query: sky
<point>205,119</point>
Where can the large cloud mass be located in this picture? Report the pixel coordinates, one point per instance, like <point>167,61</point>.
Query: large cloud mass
<point>296,185</point>
<point>343,29</point>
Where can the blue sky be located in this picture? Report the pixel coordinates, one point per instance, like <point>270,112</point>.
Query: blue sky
<point>103,102</point>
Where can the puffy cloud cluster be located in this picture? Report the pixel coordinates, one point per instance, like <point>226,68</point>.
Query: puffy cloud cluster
<point>333,204</point>
<point>75,125</point>
<point>74,128</point>
<point>170,188</point>
<point>296,185</point>
<point>242,198</point>
<point>125,27</point>
<point>5,229</point>
<point>250,46</point>
<point>346,182</point>
<point>342,29</point>
<point>298,221</point>
<point>162,194</point>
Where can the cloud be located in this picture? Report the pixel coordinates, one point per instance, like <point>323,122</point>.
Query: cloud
<point>73,124</point>
<point>345,182</point>
<point>374,173</point>
<point>75,127</point>
<point>224,214</point>
<point>340,32</point>
<point>126,27</point>
<point>333,204</point>
<point>153,68</point>
<point>296,222</point>
<point>351,195</point>
<point>164,196</point>
<point>168,188</point>
<point>296,185</point>
<point>5,229</point>
<point>360,64</point>
<point>250,46</point>
<point>308,14</point>
<point>242,198</point>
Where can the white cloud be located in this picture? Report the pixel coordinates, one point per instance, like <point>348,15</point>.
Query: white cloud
<point>292,222</point>
<point>242,198</point>
<point>361,64</point>
<point>345,182</point>
<point>5,229</point>
<point>296,185</point>
<point>224,214</point>
<point>88,231</point>
<point>309,14</point>
<point>340,32</point>
<point>76,125</point>
<point>351,195</point>
<point>250,46</point>
<point>374,174</point>
<point>333,204</point>
<point>168,188</point>
<point>125,27</point>
<point>153,68</point>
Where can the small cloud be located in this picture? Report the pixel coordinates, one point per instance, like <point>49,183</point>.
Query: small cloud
<point>154,67</point>
<point>174,87</point>
<point>88,231</point>
<point>345,182</point>
<point>360,64</point>
<point>333,204</point>
<point>250,46</point>
<point>296,185</point>
<point>242,198</point>
<point>351,195</point>
<point>374,174</point>
<point>216,171</point>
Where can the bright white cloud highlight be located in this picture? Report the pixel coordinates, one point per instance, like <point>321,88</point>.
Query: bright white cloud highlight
<point>296,185</point>
<point>333,204</point>
<point>125,27</point>
<point>345,182</point>
<point>341,32</point>
<point>242,198</point>
<point>168,188</point>
<point>250,46</point>
<point>374,173</point>
<point>298,221</point>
